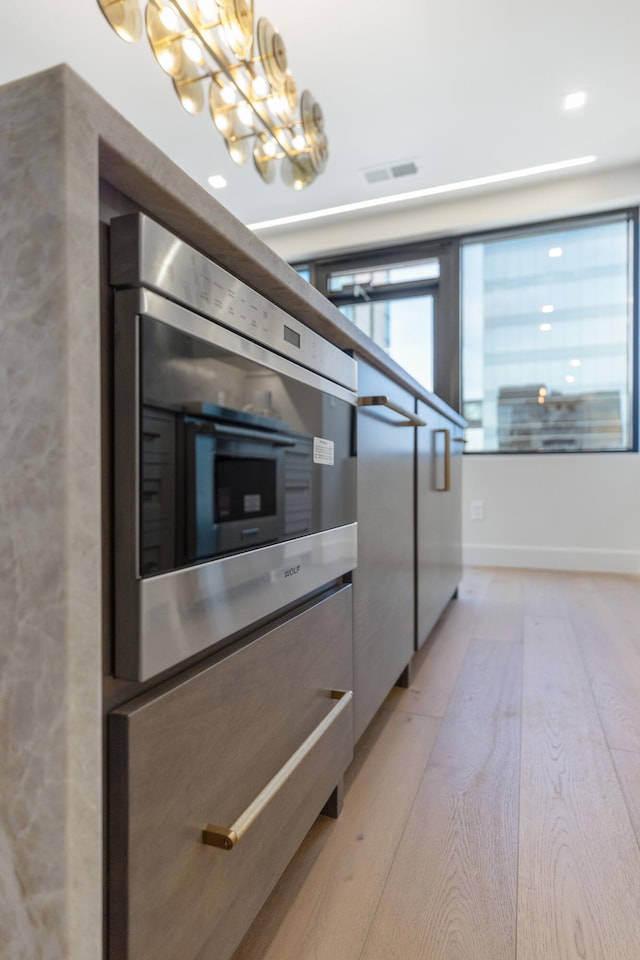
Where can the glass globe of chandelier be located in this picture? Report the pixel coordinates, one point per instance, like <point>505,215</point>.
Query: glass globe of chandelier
<point>208,49</point>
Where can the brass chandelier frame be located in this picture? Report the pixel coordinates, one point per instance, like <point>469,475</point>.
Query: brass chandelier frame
<point>252,95</point>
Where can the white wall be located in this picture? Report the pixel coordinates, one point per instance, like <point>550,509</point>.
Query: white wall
<point>573,512</point>
<point>556,512</point>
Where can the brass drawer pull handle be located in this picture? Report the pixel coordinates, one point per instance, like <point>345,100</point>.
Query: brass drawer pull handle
<point>445,485</point>
<point>227,837</point>
<point>410,418</point>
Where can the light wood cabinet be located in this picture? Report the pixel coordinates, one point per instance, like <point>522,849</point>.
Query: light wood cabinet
<point>257,740</point>
<point>383,581</point>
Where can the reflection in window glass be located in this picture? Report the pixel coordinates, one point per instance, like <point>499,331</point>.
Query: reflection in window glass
<point>403,328</point>
<point>340,282</point>
<point>385,275</point>
<point>546,340</point>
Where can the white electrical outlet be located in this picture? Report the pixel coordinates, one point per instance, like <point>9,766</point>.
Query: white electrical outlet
<point>477,509</point>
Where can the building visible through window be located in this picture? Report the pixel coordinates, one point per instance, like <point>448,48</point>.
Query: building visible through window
<point>547,340</point>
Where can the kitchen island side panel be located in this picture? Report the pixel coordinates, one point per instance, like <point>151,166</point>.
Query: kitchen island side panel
<point>50,581</point>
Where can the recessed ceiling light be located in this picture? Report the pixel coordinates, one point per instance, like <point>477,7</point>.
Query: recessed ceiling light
<point>575,363</point>
<point>570,379</point>
<point>217,182</point>
<point>555,251</point>
<point>545,326</point>
<point>573,101</point>
<point>548,308</point>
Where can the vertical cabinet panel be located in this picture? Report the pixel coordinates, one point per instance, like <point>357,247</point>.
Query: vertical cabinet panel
<point>430,469</point>
<point>451,518</point>
<point>438,517</point>
<point>384,579</point>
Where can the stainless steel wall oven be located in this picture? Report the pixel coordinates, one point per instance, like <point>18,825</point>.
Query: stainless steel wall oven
<point>234,453</point>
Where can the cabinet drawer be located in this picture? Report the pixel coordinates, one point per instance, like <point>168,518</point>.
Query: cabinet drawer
<point>199,752</point>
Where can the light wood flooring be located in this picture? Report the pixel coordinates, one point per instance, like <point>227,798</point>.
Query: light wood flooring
<point>492,811</point>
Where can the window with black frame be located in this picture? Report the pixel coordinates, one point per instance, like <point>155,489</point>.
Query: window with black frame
<point>530,332</point>
<point>392,297</point>
<point>548,338</point>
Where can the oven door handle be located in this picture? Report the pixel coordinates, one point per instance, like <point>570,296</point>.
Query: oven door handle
<point>410,418</point>
<point>227,837</point>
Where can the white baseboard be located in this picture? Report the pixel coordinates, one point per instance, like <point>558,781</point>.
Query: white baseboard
<point>552,558</point>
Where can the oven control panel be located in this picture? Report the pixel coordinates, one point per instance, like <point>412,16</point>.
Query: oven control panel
<point>143,253</point>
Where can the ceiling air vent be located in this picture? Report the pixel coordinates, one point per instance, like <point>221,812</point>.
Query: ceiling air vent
<point>403,168</point>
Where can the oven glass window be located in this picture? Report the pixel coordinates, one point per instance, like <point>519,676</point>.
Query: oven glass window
<point>227,458</point>
<point>244,488</point>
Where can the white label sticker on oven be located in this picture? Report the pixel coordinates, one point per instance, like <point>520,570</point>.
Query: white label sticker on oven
<point>323,451</point>
<point>252,503</point>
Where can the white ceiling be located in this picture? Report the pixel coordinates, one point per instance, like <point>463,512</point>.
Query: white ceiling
<point>465,89</point>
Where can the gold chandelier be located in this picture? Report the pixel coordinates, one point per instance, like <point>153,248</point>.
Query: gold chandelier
<point>207,47</point>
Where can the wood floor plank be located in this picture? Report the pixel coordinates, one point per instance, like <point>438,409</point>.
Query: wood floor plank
<point>506,586</point>
<point>325,901</point>
<point>579,864</point>
<point>622,594</point>
<point>451,892</point>
<point>607,635</point>
<point>620,597</point>
<point>499,615</point>
<point>475,583</point>
<point>628,767</point>
<point>545,593</point>
<point>499,621</point>
<point>437,664</point>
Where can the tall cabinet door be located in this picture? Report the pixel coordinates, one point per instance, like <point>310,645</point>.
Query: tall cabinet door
<point>438,517</point>
<point>383,582</point>
<point>430,466</point>
<point>451,556</point>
